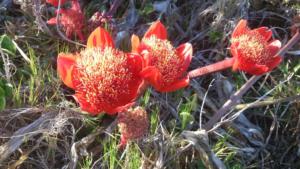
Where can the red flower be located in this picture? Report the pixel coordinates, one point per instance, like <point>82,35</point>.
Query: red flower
<point>104,78</point>
<point>165,66</point>
<point>55,2</point>
<point>72,20</point>
<point>253,50</point>
<point>132,124</point>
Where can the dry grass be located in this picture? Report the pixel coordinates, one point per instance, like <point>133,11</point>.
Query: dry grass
<point>42,126</point>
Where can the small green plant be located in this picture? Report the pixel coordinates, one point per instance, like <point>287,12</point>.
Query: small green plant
<point>185,111</point>
<point>229,155</point>
<point>6,90</point>
<point>110,153</point>
<point>7,45</point>
<point>33,76</point>
<point>154,120</point>
<point>133,157</point>
<point>215,36</point>
<point>87,162</point>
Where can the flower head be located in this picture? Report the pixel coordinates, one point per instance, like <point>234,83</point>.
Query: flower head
<point>133,124</point>
<point>55,2</point>
<point>165,66</point>
<point>253,50</point>
<point>71,20</point>
<point>104,78</point>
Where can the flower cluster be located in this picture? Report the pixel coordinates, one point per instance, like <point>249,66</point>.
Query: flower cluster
<point>71,19</point>
<point>108,80</point>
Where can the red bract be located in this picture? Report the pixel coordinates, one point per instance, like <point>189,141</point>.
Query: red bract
<point>254,51</point>
<point>165,66</point>
<point>72,20</point>
<point>55,2</point>
<point>104,78</point>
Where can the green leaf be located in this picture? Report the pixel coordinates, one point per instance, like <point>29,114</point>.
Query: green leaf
<point>8,88</point>
<point>296,68</point>
<point>186,118</point>
<point>7,45</point>
<point>215,36</point>
<point>2,99</point>
<point>148,9</point>
<point>2,92</point>
<point>2,103</point>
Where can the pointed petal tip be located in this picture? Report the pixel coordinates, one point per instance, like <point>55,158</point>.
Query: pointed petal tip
<point>240,28</point>
<point>135,43</point>
<point>100,38</point>
<point>51,21</point>
<point>157,29</point>
<point>185,49</point>
<point>177,85</point>
<point>65,66</point>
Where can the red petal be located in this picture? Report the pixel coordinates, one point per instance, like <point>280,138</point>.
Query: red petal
<point>157,29</point>
<point>55,2</point>
<point>136,62</point>
<point>257,69</point>
<point>240,29</point>
<point>264,32</point>
<point>153,76</point>
<point>51,21</point>
<point>235,65</point>
<point>135,43</point>
<point>234,54</point>
<point>84,105</point>
<point>274,63</point>
<point>80,35</point>
<point>274,47</point>
<point>176,85</point>
<point>185,51</point>
<point>144,51</point>
<point>65,66</point>
<point>120,108</point>
<point>100,38</point>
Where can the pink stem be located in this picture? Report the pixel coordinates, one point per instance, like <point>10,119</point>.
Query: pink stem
<point>221,65</point>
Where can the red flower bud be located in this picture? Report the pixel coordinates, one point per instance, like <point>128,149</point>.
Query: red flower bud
<point>132,124</point>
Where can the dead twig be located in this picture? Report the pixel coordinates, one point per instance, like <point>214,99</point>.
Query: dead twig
<point>268,102</point>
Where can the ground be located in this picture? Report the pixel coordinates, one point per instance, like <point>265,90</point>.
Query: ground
<point>43,127</point>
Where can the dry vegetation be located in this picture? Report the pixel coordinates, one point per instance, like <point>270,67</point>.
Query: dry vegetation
<point>42,127</point>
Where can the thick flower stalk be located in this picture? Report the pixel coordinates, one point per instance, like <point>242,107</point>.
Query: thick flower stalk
<point>132,124</point>
<point>165,66</point>
<point>104,78</point>
<point>71,20</point>
<point>254,51</point>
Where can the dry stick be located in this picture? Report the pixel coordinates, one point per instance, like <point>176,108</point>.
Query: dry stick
<point>238,94</point>
<point>37,13</point>
<point>268,102</point>
<point>113,8</point>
